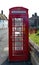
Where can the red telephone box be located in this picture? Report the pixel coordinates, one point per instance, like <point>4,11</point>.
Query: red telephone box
<point>18,34</point>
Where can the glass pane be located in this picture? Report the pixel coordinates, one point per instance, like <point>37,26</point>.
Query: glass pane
<point>18,34</point>
<point>18,38</point>
<point>13,28</point>
<point>18,44</point>
<point>13,34</point>
<point>18,48</point>
<point>18,29</point>
<point>13,39</point>
<point>18,22</point>
<point>13,22</point>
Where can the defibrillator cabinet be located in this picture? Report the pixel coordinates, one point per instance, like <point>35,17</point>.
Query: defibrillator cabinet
<point>18,34</point>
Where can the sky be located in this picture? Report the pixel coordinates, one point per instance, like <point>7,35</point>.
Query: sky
<point>32,5</point>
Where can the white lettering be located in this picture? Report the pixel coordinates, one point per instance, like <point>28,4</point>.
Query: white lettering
<point>15,12</point>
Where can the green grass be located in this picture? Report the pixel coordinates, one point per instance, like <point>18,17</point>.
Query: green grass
<point>35,37</point>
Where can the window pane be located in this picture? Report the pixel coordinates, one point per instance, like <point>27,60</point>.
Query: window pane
<point>13,22</point>
<point>18,38</point>
<point>18,29</point>
<point>13,39</point>
<point>18,34</point>
<point>18,48</point>
<point>13,34</point>
<point>18,22</point>
<point>13,28</point>
<point>18,44</point>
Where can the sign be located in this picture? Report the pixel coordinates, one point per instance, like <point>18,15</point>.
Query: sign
<point>18,12</point>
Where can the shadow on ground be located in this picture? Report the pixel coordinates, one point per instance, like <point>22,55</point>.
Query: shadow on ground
<point>17,63</point>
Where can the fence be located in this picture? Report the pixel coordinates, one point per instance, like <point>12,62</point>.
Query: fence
<point>34,51</point>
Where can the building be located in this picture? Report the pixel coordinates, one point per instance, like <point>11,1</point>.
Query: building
<point>3,19</point>
<point>2,16</point>
<point>34,21</point>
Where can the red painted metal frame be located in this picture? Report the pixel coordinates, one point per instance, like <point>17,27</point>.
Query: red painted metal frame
<point>25,36</point>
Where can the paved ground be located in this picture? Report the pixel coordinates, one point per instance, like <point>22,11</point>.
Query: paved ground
<point>16,63</point>
<point>3,45</point>
<point>4,50</point>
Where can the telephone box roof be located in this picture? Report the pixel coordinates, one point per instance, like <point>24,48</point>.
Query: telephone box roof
<point>18,8</point>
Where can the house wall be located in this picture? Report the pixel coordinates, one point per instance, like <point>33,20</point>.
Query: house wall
<point>3,23</point>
